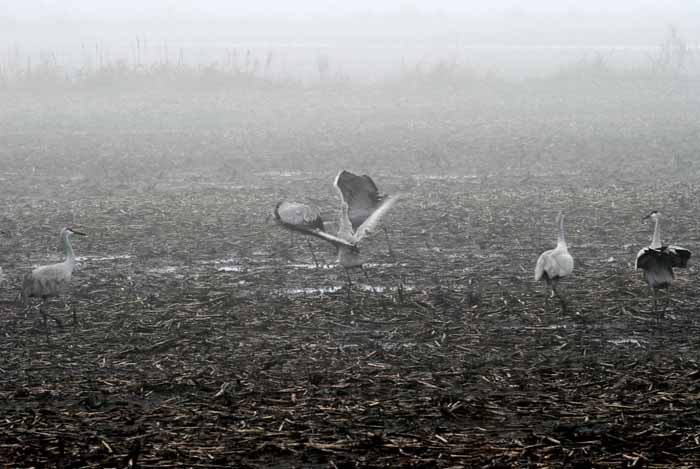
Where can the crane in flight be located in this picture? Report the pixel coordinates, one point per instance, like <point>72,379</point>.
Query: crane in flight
<point>657,261</point>
<point>555,264</point>
<point>363,198</point>
<point>52,280</point>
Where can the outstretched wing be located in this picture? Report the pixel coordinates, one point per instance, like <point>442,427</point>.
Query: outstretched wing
<point>371,223</point>
<point>679,256</point>
<point>330,238</point>
<point>645,258</point>
<point>295,215</point>
<point>306,220</point>
<point>361,195</point>
<point>671,256</point>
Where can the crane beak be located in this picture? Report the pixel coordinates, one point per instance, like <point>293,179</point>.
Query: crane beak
<point>79,233</point>
<point>648,216</point>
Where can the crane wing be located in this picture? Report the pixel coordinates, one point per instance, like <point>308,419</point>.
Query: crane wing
<point>645,258</point>
<point>330,238</point>
<point>297,215</point>
<point>373,220</point>
<point>541,264</point>
<point>673,256</point>
<point>679,256</point>
<point>361,195</point>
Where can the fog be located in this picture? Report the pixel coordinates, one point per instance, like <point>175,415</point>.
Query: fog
<point>216,314</point>
<point>365,40</point>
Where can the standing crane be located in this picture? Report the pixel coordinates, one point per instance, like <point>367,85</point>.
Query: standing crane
<point>301,218</point>
<point>52,280</point>
<point>555,264</point>
<point>657,262</point>
<point>3,277</point>
<point>363,198</point>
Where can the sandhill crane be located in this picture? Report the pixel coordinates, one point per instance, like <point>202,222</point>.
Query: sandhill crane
<point>555,264</point>
<point>657,261</point>
<point>348,251</point>
<point>51,280</point>
<point>363,198</point>
<point>3,277</point>
<point>347,240</point>
<point>301,218</point>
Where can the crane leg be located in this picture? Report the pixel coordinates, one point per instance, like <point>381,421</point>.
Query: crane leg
<point>43,307</point>
<point>313,254</point>
<point>42,310</point>
<point>388,242</point>
<point>668,299</point>
<point>347,274</point>
<point>559,296</point>
<point>547,295</point>
<point>374,290</point>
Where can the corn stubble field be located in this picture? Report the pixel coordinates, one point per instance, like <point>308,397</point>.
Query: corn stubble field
<point>206,337</point>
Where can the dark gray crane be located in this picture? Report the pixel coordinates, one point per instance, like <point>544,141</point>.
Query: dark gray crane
<point>363,198</point>
<point>657,261</point>
<point>300,218</point>
<point>52,280</point>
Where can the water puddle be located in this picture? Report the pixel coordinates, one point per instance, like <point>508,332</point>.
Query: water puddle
<point>378,289</point>
<point>281,173</point>
<point>168,269</point>
<point>312,266</point>
<point>626,341</point>
<point>229,264</point>
<point>309,291</point>
<point>369,265</point>
<point>444,177</point>
<point>103,258</point>
<point>334,289</point>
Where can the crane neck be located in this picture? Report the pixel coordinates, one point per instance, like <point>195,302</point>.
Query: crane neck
<point>656,240</point>
<point>68,249</point>
<point>561,239</point>
<point>344,225</point>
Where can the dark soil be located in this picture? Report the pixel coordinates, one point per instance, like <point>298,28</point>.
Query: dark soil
<point>205,337</point>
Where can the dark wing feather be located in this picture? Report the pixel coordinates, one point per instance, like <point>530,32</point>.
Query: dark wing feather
<point>298,216</point>
<point>679,256</point>
<point>645,258</point>
<point>361,195</point>
<point>667,256</point>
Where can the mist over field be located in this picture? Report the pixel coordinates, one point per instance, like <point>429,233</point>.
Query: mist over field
<point>437,87</point>
<point>200,330</point>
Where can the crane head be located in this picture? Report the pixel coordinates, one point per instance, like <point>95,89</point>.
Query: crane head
<point>654,214</point>
<point>69,230</point>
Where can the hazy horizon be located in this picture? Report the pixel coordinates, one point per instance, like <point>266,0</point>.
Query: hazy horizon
<point>363,39</point>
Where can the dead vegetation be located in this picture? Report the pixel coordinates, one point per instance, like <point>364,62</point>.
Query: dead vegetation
<point>197,345</point>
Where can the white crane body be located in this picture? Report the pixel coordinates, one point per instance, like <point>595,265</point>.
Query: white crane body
<point>555,264</point>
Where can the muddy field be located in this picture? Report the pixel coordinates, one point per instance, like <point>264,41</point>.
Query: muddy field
<point>207,337</point>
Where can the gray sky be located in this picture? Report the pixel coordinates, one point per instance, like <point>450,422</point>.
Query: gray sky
<point>77,9</point>
<point>371,35</point>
